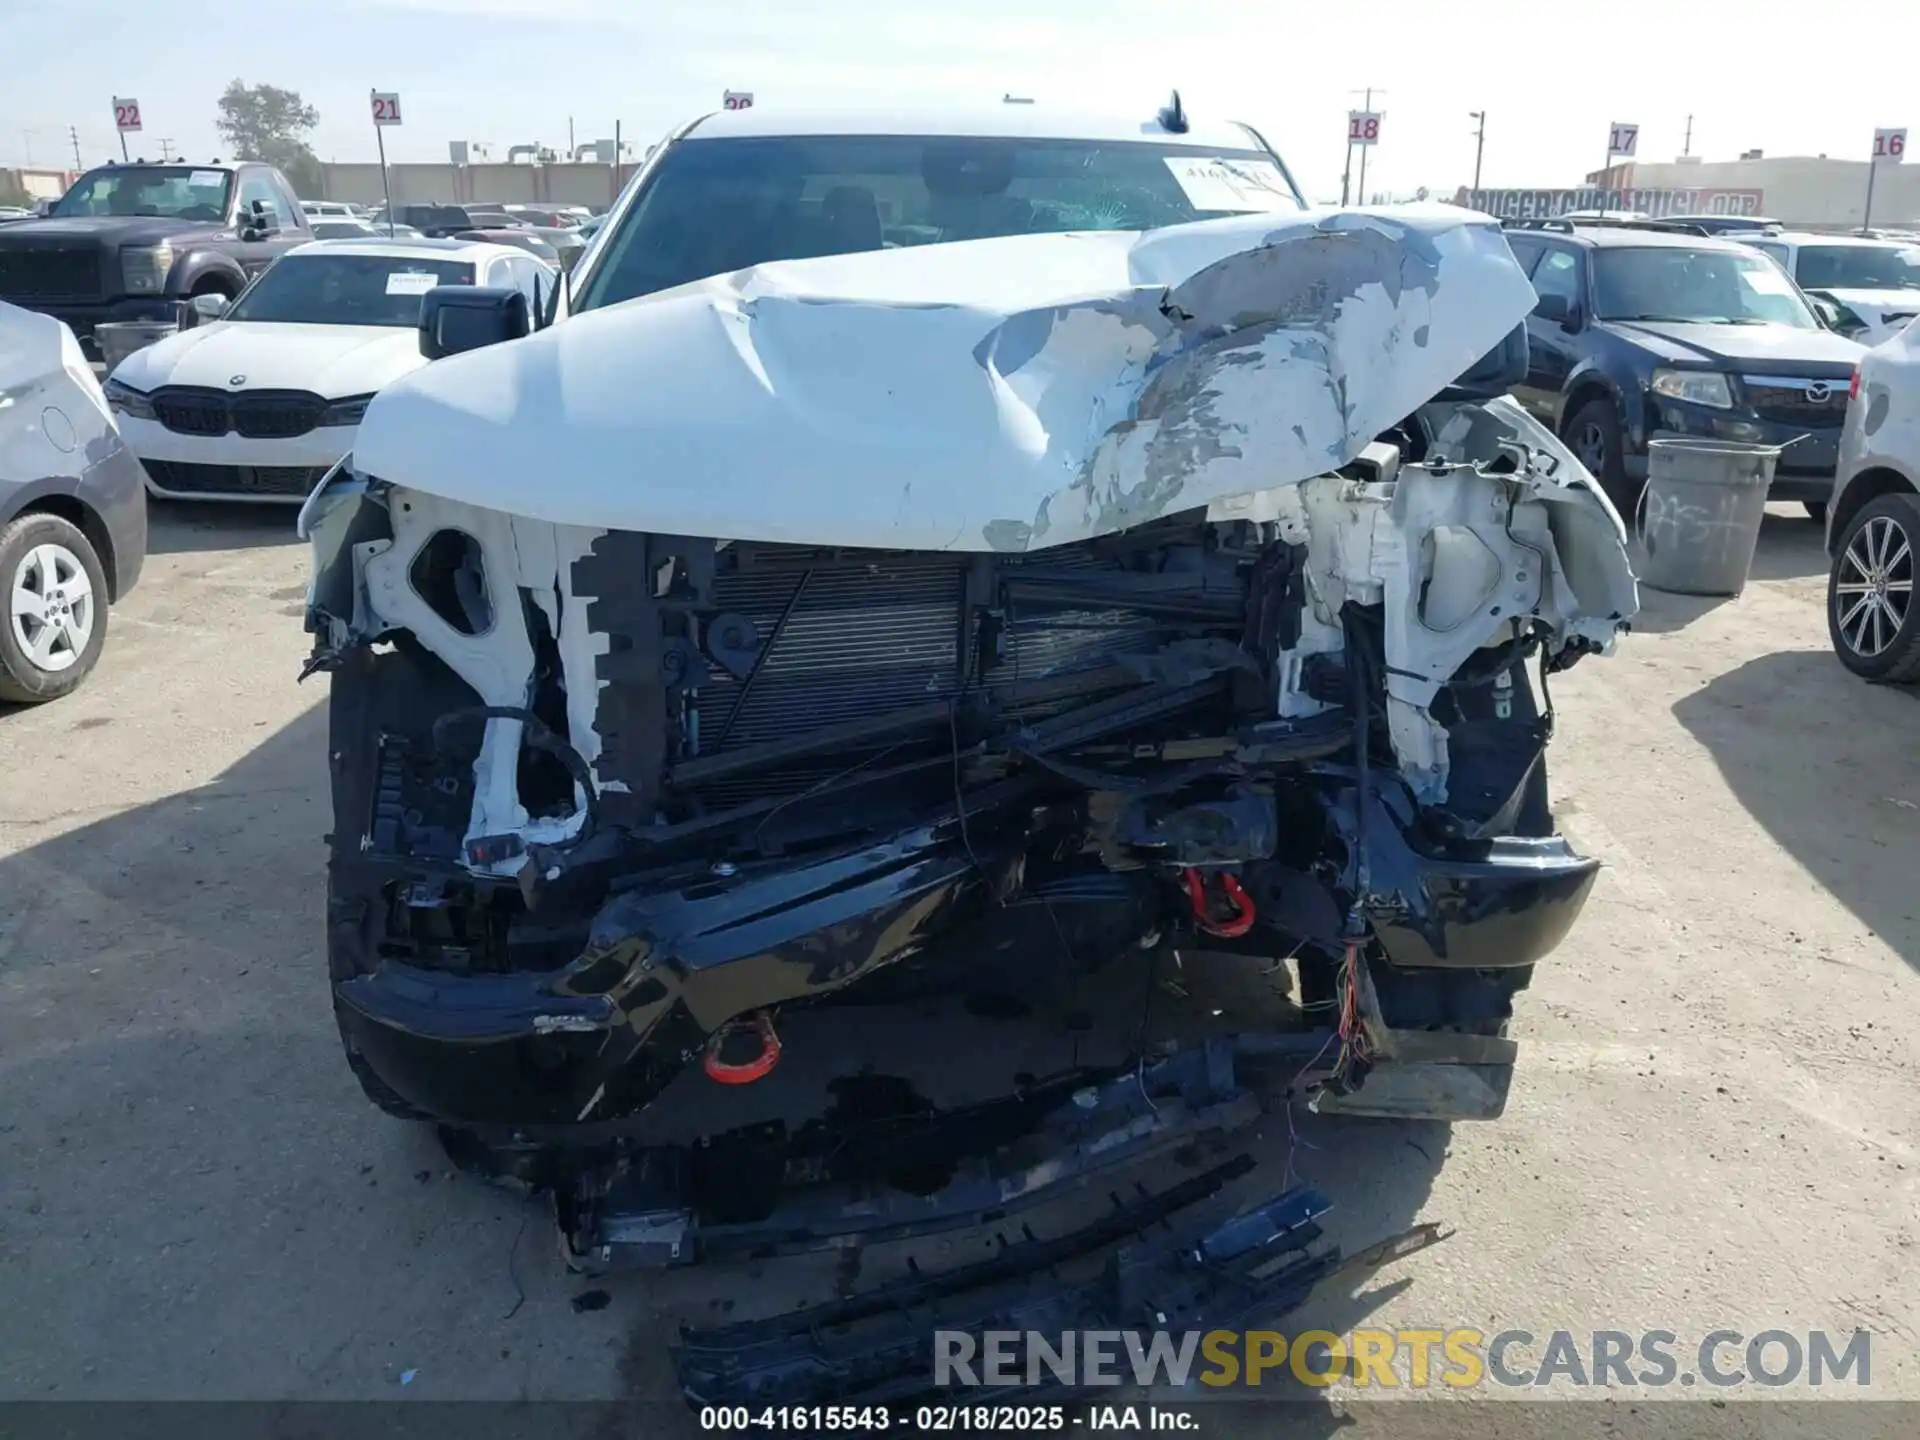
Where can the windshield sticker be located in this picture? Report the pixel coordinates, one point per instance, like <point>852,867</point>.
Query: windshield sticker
<point>1767,280</point>
<point>410,282</point>
<point>1240,186</point>
<point>207,177</point>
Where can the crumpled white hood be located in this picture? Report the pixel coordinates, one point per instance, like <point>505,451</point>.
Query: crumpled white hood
<point>994,395</point>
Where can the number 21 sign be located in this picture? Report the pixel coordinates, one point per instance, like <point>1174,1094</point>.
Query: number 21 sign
<point>386,107</point>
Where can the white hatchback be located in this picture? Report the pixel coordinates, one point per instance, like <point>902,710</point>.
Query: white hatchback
<point>262,398</point>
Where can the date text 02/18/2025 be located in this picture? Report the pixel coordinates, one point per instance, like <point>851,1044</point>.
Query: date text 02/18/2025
<point>974,1419</point>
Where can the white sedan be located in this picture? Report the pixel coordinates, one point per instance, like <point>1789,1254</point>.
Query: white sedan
<point>260,403</point>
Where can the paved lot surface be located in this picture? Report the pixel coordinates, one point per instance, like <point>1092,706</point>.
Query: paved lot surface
<point>1717,1121</point>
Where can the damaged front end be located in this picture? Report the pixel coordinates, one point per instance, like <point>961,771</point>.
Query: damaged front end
<point>648,780</point>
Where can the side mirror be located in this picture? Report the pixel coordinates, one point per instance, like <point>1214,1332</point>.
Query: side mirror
<point>458,318</point>
<point>1555,308</point>
<point>1826,310</point>
<point>210,307</point>
<point>257,222</point>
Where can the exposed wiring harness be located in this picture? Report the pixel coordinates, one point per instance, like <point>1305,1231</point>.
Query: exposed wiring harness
<point>1363,664</point>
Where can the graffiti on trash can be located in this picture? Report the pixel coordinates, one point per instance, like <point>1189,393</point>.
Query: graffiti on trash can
<point>1673,520</point>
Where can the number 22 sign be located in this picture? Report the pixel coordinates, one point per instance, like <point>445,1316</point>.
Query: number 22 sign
<point>126,115</point>
<point>386,107</point>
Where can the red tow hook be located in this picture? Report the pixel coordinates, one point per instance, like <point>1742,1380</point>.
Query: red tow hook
<point>757,1068</point>
<point>1230,929</point>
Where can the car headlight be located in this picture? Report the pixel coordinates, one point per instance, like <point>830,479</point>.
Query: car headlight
<point>145,268</point>
<point>346,412</point>
<point>1697,387</point>
<point>129,401</point>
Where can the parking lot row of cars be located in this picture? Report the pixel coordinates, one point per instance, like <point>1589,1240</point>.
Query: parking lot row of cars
<point>297,313</point>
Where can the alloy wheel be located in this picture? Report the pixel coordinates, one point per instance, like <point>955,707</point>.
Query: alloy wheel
<point>1873,593</point>
<point>50,607</point>
<point>1590,446</point>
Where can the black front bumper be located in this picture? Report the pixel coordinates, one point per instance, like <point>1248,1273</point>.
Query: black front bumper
<point>595,1039</point>
<point>1809,454</point>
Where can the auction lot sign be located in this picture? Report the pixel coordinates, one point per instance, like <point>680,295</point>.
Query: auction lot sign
<point>1545,204</point>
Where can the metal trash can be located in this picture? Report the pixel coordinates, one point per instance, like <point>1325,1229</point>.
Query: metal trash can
<point>118,339</point>
<point>1700,513</point>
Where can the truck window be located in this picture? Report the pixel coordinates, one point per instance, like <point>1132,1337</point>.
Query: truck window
<point>176,192</point>
<point>713,206</point>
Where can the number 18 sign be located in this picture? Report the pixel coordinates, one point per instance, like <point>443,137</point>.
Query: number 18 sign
<point>1363,127</point>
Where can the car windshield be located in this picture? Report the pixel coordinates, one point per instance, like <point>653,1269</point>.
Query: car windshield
<point>347,289</point>
<point>1711,287</point>
<point>177,192</point>
<point>1859,267</point>
<point>713,206</point>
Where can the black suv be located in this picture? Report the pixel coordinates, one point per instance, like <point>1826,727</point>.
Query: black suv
<point>1639,333</point>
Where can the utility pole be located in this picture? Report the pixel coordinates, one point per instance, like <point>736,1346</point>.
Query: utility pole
<point>1479,147</point>
<point>1686,146</point>
<point>571,154</point>
<point>73,134</point>
<point>166,151</point>
<point>1367,106</point>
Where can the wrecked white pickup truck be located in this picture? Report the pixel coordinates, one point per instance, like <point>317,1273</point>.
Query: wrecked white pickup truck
<point>783,678</point>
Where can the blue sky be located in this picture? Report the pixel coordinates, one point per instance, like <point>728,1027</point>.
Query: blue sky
<point>1551,76</point>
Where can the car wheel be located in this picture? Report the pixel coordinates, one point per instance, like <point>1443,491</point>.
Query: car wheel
<point>53,609</point>
<point>1816,511</point>
<point>1593,434</point>
<point>1870,610</point>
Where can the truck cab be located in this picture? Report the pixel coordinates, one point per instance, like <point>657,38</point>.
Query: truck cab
<point>139,242</point>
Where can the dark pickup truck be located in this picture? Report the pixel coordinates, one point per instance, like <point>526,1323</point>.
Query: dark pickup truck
<point>137,242</point>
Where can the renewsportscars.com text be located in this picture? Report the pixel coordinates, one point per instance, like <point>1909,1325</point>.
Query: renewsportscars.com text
<point>1458,1358</point>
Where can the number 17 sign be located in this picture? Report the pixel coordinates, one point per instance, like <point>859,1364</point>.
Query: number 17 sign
<point>1622,139</point>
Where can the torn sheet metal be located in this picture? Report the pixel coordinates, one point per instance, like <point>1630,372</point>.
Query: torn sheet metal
<point>1009,394</point>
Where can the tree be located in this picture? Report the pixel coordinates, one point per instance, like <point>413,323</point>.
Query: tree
<point>265,122</point>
